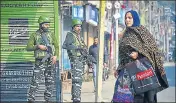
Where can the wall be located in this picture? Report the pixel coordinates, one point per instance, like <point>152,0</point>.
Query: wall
<point>66,24</point>
<point>92,32</point>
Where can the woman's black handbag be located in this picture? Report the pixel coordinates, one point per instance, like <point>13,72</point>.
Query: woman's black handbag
<point>142,75</point>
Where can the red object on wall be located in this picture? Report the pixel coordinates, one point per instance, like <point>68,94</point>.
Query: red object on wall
<point>123,6</point>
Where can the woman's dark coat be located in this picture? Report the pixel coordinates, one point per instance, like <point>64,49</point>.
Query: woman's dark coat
<point>139,39</point>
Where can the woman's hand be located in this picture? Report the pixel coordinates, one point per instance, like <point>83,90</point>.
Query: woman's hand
<point>134,55</point>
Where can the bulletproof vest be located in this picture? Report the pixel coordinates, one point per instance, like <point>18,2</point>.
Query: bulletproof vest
<point>39,54</point>
<point>76,43</point>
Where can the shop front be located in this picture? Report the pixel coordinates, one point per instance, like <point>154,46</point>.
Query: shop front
<point>19,19</point>
<point>91,18</point>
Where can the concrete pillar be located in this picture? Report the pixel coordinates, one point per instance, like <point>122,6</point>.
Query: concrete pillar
<point>100,52</point>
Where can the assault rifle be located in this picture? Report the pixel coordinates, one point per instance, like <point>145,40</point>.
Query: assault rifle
<point>49,49</point>
<point>89,59</point>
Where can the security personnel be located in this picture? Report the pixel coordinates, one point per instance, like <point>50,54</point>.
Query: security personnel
<point>73,44</point>
<point>44,69</point>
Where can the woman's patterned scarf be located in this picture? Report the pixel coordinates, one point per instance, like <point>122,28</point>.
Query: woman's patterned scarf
<point>140,39</point>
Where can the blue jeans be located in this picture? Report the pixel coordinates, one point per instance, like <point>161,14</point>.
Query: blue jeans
<point>94,74</point>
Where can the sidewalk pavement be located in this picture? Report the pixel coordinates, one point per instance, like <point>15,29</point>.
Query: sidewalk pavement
<point>167,95</point>
<point>87,94</point>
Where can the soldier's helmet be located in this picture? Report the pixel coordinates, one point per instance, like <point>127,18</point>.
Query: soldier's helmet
<point>43,19</point>
<point>76,22</point>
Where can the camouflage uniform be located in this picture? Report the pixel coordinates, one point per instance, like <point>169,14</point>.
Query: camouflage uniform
<point>77,68</point>
<point>42,70</point>
<point>72,45</point>
<point>45,69</point>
